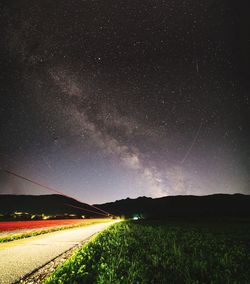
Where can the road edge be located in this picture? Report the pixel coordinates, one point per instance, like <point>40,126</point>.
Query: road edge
<point>39,274</point>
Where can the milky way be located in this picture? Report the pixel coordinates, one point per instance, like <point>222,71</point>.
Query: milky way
<point>112,99</point>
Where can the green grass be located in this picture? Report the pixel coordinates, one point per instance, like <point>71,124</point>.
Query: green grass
<point>134,252</point>
<point>33,233</point>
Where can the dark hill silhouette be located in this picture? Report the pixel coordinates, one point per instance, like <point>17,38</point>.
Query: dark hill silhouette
<point>210,206</point>
<point>54,204</point>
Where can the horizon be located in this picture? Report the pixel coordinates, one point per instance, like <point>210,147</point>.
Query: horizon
<point>139,197</point>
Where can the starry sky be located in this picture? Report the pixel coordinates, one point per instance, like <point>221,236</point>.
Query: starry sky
<point>111,99</point>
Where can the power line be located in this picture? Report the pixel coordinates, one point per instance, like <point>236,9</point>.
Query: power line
<point>56,191</point>
<point>84,209</point>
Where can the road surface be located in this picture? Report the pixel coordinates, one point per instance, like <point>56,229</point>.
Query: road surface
<point>21,257</point>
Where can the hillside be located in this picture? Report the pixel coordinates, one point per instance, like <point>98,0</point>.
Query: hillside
<point>210,206</point>
<point>44,204</point>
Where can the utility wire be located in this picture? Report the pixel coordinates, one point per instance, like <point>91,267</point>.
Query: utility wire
<point>55,190</point>
<point>84,209</point>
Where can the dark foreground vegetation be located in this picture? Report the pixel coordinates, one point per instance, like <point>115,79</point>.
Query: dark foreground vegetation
<point>156,252</point>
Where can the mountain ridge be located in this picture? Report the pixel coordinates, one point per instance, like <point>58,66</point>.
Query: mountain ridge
<point>52,204</point>
<point>205,206</point>
<point>215,206</point>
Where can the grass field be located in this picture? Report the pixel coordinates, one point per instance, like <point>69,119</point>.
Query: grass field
<point>143,252</point>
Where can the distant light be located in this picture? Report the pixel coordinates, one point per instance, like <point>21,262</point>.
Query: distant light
<point>136,218</point>
<point>45,217</point>
<point>21,213</point>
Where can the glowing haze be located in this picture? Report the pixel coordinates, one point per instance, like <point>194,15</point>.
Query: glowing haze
<point>112,100</point>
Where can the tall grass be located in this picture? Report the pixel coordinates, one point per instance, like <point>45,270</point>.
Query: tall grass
<point>142,253</point>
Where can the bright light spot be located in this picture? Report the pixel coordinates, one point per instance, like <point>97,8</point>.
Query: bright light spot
<point>45,217</point>
<point>135,218</point>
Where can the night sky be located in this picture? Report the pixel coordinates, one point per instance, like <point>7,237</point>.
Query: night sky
<point>111,99</point>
